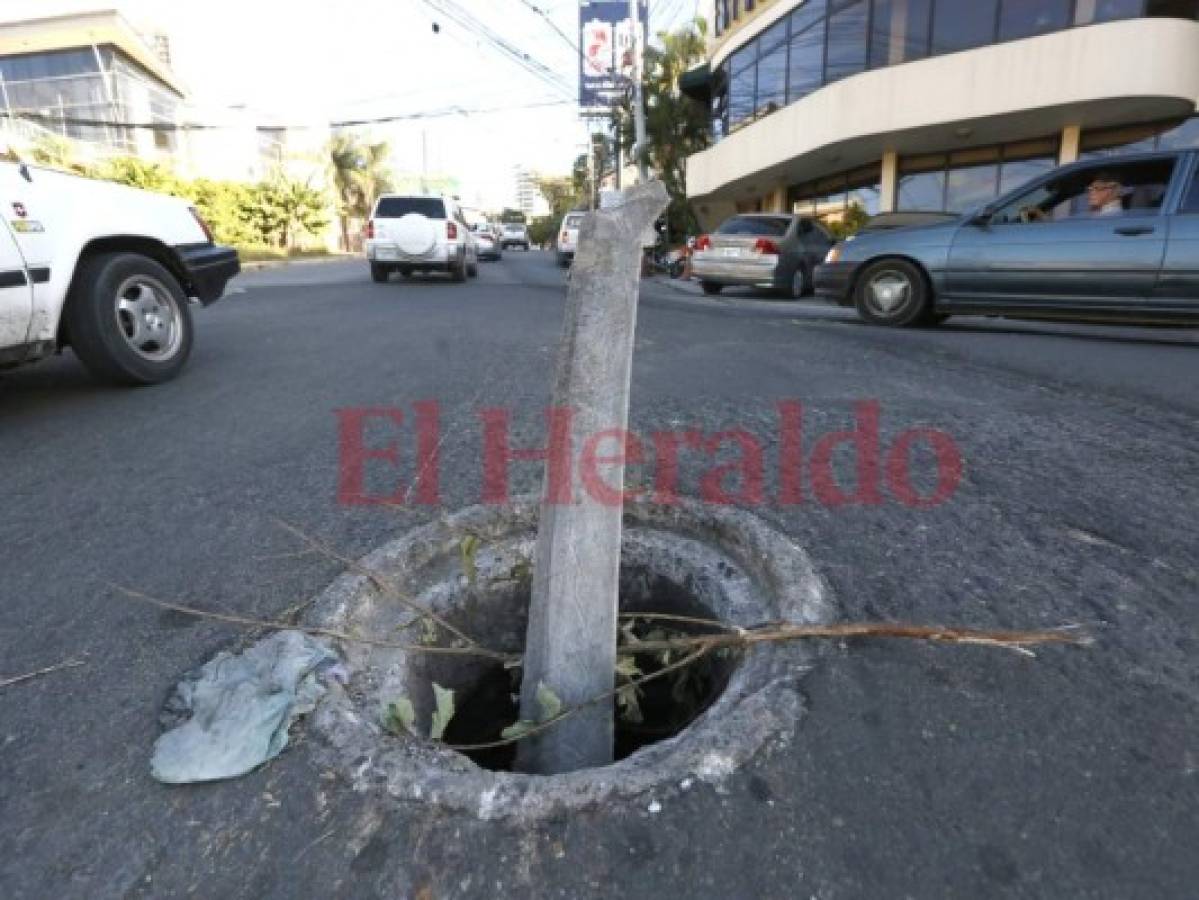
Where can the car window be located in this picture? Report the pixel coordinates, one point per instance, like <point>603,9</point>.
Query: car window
<point>1190,202</point>
<point>773,226</point>
<point>395,207</point>
<point>1122,189</point>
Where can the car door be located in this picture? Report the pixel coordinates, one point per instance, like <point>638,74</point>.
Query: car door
<point>16,292</point>
<point>1178,284</point>
<point>1053,246</point>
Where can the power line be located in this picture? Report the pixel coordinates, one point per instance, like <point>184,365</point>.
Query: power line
<point>466,20</point>
<point>554,25</point>
<point>47,119</point>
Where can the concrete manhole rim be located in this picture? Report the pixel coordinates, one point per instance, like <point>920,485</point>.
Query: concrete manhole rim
<point>761,701</point>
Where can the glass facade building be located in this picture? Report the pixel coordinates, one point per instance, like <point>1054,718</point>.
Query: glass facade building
<point>87,93</point>
<point>900,143</point>
<point>823,41</point>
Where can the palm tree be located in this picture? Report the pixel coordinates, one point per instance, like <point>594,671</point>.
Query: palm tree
<point>360,174</point>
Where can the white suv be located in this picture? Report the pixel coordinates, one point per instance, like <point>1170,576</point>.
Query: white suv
<point>419,233</point>
<point>568,237</point>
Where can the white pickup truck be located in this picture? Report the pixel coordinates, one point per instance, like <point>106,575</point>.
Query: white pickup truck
<point>107,270</point>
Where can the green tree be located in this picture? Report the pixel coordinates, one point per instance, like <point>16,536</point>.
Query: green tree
<point>228,208</point>
<point>360,175</point>
<point>560,193</point>
<point>675,125</point>
<point>285,210</point>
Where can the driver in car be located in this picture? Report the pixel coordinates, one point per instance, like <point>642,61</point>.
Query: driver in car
<point>1105,195</point>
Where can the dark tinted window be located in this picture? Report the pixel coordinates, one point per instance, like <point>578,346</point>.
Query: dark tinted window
<point>1023,18</point>
<point>1179,9</point>
<point>961,24</point>
<point>1088,11</point>
<point>899,32</point>
<point>807,14</point>
<point>774,226</point>
<point>807,62</point>
<point>847,41</point>
<point>395,207</point>
<point>772,69</point>
<point>741,96</point>
<point>1190,202</point>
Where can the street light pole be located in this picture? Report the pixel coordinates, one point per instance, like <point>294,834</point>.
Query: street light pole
<point>638,98</point>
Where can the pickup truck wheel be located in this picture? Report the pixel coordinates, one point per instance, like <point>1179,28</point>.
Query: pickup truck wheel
<point>711,289</point>
<point>128,319</point>
<point>459,271</point>
<point>379,273</point>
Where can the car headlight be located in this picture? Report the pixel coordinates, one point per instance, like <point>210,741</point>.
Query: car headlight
<point>834,255</point>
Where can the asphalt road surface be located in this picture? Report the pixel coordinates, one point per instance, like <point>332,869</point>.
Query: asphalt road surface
<point>918,771</point>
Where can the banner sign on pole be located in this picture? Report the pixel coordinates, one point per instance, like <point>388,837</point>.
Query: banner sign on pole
<point>606,58</point>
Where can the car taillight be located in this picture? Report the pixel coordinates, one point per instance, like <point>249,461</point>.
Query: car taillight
<point>765,245</point>
<point>451,231</point>
<point>370,229</point>
<point>203,225</point>
<point>704,243</point>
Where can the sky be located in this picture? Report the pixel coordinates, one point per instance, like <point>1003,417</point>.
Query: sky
<point>303,61</point>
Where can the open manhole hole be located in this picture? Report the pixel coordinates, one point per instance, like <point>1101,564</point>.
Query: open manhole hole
<point>474,569</point>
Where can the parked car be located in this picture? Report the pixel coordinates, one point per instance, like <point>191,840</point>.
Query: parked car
<point>767,250</point>
<point>107,270</point>
<point>515,234</point>
<point>568,237</point>
<point>1116,238</point>
<point>488,242</point>
<point>410,233</point>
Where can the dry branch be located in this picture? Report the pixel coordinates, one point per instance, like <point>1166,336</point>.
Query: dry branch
<point>28,676</point>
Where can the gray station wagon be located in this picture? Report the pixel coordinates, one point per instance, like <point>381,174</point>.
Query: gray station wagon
<point>1114,238</point>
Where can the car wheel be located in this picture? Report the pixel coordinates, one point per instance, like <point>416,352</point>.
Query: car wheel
<point>128,319</point>
<point>473,271</point>
<point>798,286</point>
<point>892,292</point>
<point>711,289</point>
<point>459,270</point>
<point>379,273</point>
<point>405,273</point>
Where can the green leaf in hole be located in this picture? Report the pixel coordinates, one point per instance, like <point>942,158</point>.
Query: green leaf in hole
<point>444,712</point>
<point>547,702</point>
<point>468,547</point>
<point>517,730</point>
<point>399,716</point>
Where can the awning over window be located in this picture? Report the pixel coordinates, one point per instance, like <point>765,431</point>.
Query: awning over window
<point>697,83</point>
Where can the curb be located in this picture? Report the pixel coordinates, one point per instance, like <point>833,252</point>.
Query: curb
<point>263,264</point>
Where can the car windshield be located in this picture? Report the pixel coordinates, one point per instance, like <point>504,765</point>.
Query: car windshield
<point>572,222</point>
<point>772,226</point>
<point>514,229</point>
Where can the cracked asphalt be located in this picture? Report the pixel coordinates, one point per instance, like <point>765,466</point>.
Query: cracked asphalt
<point>917,771</point>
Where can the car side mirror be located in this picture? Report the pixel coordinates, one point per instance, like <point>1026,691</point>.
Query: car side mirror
<point>983,217</point>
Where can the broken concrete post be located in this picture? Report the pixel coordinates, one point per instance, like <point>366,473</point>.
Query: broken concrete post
<point>571,641</point>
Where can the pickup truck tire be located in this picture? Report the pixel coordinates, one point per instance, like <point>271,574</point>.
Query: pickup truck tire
<point>379,273</point>
<point>128,319</point>
<point>458,271</point>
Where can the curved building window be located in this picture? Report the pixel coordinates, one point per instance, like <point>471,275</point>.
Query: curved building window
<point>806,67</point>
<point>846,53</point>
<point>1025,18</point>
<point>837,198</point>
<point>899,32</point>
<point>1140,138</point>
<point>742,85</point>
<point>960,26</point>
<point>772,70</point>
<point>965,180</point>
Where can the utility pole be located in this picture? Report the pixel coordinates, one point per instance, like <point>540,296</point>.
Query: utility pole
<point>639,148</point>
